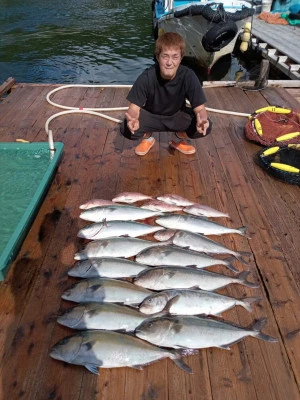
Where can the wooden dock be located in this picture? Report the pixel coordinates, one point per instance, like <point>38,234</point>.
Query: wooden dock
<point>279,44</point>
<point>99,163</point>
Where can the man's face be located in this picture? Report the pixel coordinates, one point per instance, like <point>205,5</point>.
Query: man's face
<point>169,60</point>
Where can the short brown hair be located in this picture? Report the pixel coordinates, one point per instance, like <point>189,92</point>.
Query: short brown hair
<point>169,39</point>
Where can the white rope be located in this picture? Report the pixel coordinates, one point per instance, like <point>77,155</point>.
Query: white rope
<point>95,111</point>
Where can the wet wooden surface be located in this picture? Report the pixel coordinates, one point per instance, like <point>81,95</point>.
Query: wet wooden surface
<point>99,163</point>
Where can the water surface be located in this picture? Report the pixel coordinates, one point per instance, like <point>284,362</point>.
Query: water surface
<point>75,41</point>
<point>88,41</point>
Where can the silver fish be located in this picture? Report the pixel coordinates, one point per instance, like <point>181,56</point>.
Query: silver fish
<point>172,255</point>
<point>107,349</point>
<point>197,224</point>
<point>131,197</point>
<point>104,290</point>
<point>199,242</point>
<point>96,203</point>
<point>175,199</point>
<point>107,316</point>
<point>161,278</point>
<point>107,229</point>
<point>106,267</point>
<point>203,210</point>
<point>165,234</point>
<point>157,205</point>
<point>117,213</point>
<point>192,302</point>
<point>197,333</point>
<point>114,247</point>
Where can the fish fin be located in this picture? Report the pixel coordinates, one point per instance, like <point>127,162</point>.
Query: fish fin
<point>242,231</point>
<point>139,367</point>
<point>192,266</point>
<point>257,327</point>
<point>243,278</point>
<point>194,287</point>
<point>224,347</point>
<point>247,303</point>
<point>202,315</point>
<point>180,363</point>
<point>170,303</point>
<point>92,368</point>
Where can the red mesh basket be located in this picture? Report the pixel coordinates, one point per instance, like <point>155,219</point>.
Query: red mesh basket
<point>273,126</point>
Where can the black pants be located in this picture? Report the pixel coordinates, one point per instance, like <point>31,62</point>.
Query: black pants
<point>182,121</point>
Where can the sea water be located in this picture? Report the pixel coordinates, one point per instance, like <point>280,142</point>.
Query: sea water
<point>88,42</point>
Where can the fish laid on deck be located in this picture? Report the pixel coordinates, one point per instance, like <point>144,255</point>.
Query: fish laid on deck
<point>205,211</point>
<point>164,235</point>
<point>117,213</point>
<point>191,207</point>
<point>104,290</point>
<point>108,229</point>
<point>131,197</point>
<point>175,199</point>
<point>192,302</point>
<point>161,278</point>
<point>107,316</point>
<point>197,225</point>
<point>96,203</point>
<point>197,333</point>
<point>106,349</point>
<point>199,242</point>
<point>106,267</point>
<point>114,247</point>
<point>157,205</point>
<point>172,255</point>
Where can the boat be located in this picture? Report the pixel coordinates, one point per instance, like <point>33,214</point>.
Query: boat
<point>210,30</point>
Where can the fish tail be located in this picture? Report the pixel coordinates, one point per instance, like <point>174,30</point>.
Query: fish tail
<point>242,231</point>
<point>247,303</point>
<point>242,278</point>
<point>228,264</point>
<point>232,268</point>
<point>256,329</point>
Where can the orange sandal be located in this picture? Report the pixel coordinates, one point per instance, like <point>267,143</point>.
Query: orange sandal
<point>144,147</point>
<point>183,147</point>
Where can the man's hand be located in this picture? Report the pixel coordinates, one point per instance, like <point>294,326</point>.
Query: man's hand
<point>202,125</point>
<point>132,117</point>
<point>132,123</point>
<point>202,121</point>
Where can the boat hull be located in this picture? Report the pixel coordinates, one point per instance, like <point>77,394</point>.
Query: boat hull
<point>210,30</point>
<point>192,29</point>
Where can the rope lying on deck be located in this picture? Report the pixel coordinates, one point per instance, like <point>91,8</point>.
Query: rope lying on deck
<point>96,111</point>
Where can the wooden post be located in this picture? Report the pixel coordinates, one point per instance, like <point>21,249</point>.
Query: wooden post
<point>262,81</point>
<point>6,86</point>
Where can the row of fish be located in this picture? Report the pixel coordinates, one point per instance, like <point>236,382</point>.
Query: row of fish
<point>162,296</point>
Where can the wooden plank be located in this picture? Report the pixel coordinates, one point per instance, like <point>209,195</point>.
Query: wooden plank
<point>278,37</point>
<point>99,162</point>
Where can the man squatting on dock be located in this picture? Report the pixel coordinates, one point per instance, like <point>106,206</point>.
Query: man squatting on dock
<point>158,100</point>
